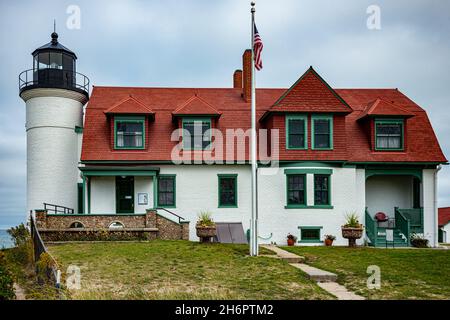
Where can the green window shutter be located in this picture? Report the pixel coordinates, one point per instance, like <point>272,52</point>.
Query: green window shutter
<point>166,191</point>
<point>322,189</point>
<point>227,191</point>
<point>196,133</point>
<point>296,132</point>
<point>296,189</point>
<point>322,132</point>
<point>129,133</point>
<point>389,134</point>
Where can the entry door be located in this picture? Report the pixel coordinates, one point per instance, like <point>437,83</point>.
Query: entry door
<point>125,194</point>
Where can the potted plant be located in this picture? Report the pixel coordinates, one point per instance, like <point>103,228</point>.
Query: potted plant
<point>206,227</point>
<point>291,239</point>
<point>352,229</point>
<point>329,240</point>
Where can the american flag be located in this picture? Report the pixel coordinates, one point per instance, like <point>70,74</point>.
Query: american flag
<point>257,48</point>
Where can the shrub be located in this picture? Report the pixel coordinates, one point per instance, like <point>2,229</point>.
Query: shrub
<point>6,281</point>
<point>418,241</point>
<point>20,234</point>
<point>205,220</point>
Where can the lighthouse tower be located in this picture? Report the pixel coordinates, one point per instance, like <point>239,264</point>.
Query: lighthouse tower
<point>54,94</point>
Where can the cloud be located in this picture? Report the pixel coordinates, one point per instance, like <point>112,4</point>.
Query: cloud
<point>199,43</point>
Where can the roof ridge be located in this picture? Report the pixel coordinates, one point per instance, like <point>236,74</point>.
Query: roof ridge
<point>130,97</point>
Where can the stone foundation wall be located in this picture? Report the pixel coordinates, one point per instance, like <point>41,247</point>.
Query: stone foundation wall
<point>149,226</point>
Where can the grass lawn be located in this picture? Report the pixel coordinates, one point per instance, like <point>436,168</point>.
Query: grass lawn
<point>405,273</point>
<point>180,270</point>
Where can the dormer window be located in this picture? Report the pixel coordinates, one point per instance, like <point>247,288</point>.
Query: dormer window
<point>129,132</point>
<point>196,133</point>
<point>389,135</point>
<point>322,132</point>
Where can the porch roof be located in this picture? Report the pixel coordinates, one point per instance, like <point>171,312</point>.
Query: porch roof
<point>119,170</point>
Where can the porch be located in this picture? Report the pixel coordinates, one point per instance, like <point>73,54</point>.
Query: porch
<point>398,195</point>
<point>118,189</point>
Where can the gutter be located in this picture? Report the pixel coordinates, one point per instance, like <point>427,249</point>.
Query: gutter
<point>436,226</point>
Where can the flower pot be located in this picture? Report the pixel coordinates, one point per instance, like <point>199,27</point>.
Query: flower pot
<point>328,242</point>
<point>290,242</point>
<point>205,233</point>
<point>352,234</point>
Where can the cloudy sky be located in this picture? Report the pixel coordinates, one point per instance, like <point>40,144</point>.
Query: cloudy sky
<point>198,43</point>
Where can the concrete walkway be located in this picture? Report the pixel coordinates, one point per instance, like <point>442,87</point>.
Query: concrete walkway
<point>20,293</point>
<point>326,280</point>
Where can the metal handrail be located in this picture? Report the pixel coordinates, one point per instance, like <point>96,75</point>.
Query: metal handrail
<point>172,213</point>
<point>54,208</point>
<point>72,80</point>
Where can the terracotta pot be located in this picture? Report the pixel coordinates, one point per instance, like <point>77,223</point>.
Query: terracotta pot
<point>328,242</point>
<point>352,234</point>
<point>290,242</point>
<point>206,233</point>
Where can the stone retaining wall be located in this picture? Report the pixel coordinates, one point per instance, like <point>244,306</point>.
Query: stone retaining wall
<point>149,226</point>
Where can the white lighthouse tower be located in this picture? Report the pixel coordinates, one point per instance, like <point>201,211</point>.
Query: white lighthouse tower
<point>54,94</point>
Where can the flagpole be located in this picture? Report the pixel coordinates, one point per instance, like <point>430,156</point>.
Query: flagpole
<point>254,220</point>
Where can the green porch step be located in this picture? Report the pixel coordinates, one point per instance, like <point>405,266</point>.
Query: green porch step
<point>399,241</point>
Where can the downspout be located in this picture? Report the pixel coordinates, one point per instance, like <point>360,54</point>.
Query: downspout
<point>436,231</point>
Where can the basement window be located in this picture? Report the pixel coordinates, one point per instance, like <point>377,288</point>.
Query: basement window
<point>76,225</point>
<point>310,234</point>
<point>116,225</point>
<point>389,135</point>
<point>129,133</point>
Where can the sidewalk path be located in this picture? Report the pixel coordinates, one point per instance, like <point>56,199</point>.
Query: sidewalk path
<point>326,280</point>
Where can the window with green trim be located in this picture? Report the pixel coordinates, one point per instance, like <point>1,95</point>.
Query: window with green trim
<point>227,190</point>
<point>296,132</point>
<point>296,189</point>
<point>196,134</point>
<point>166,191</point>
<point>389,135</point>
<point>310,234</point>
<point>129,133</point>
<point>321,189</point>
<point>322,132</point>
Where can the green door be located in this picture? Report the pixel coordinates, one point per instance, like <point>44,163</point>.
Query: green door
<point>125,194</point>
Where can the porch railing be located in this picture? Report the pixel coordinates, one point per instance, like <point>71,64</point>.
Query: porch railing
<point>371,227</point>
<point>172,213</point>
<point>402,224</point>
<point>415,217</point>
<point>57,209</point>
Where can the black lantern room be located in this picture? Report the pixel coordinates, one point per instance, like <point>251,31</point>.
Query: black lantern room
<point>54,66</point>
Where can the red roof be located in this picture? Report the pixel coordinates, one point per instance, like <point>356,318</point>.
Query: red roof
<point>349,104</point>
<point>381,107</point>
<point>129,105</point>
<point>443,216</point>
<point>310,93</point>
<point>195,106</point>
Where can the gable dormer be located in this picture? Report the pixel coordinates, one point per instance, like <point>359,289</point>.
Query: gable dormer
<point>196,116</point>
<point>385,124</point>
<point>310,112</point>
<point>129,121</point>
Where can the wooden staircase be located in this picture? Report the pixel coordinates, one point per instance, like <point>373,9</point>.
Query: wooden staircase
<point>380,239</point>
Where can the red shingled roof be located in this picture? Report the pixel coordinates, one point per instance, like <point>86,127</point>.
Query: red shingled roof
<point>381,107</point>
<point>195,106</point>
<point>310,93</point>
<point>129,105</point>
<point>421,146</point>
<point>443,216</point>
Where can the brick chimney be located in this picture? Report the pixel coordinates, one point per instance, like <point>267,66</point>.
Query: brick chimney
<point>237,79</point>
<point>247,75</point>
